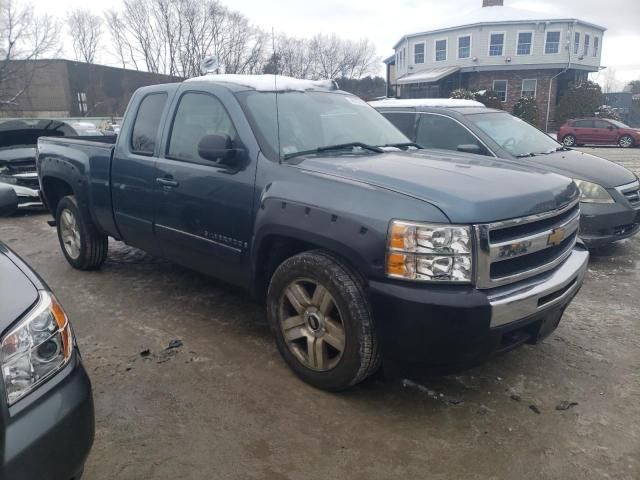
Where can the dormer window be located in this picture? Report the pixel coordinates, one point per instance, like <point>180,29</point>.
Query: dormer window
<point>418,53</point>
<point>496,44</point>
<point>441,50</point>
<point>587,40</point>
<point>552,44</point>
<point>525,41</point>
<point>464,46</point>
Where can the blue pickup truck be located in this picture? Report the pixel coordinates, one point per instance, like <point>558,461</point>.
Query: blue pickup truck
<point>367,249</point>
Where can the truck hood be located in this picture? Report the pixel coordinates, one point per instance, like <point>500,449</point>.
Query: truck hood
<point>17,292</point>
<point>583,166</point>
<point>18,156</point>
<point>467,188</point>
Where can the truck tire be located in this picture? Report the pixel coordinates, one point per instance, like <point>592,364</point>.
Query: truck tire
<point>320,316</point>
<point>82,245</point>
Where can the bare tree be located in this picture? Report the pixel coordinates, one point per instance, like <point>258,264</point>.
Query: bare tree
<point>610,81</point>
<point>85,29</point>
<point>23,36</point>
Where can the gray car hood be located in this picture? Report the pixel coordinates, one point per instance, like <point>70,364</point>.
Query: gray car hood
<point>582,166</point>
<point>21,155</point>
<point>467,188</point>
<point>17,292</point>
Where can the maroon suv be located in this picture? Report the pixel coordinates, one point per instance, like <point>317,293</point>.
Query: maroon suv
<point>598,131</point>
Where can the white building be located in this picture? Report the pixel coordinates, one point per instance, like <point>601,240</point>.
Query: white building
<point>512,51</point>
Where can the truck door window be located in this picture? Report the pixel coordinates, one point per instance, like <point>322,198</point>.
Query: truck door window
<point>438,131</point>
<point>198,115</point>
<point>147,123</point>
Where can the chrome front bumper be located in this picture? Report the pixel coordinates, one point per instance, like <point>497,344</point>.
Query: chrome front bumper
<point>521,300</point>
<point>27,197</point>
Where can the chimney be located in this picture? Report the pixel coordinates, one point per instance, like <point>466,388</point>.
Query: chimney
<point>492,3</point>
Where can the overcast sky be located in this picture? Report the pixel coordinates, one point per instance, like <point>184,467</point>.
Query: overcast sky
<point>386,21</point>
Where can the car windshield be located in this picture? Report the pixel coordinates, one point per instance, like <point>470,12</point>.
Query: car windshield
<point>513,134</point>
<point>618,124</point>
<point>313,120</point>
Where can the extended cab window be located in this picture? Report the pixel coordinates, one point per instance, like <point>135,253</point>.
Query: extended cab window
<point>437,131</point>
<point>147,123</point>
<point>198,115</point>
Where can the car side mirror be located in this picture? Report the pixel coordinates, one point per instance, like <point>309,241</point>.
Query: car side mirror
<point>610,127</point>
<point>8,201</point>
<point>219,149</point>
<point>470,148</point>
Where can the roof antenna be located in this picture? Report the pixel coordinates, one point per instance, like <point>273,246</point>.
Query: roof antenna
<point>275,84</point>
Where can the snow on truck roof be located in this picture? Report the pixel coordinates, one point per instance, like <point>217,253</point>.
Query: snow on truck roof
<point>268,83</point>
<point>425,102</point>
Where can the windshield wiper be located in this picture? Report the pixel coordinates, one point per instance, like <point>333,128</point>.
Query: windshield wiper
<point>403,146</point>
<point>341,146</point>
<point>522,155</point>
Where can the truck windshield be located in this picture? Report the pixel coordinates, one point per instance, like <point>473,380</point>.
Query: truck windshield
<point>514,135</point>
<point>314,120</point>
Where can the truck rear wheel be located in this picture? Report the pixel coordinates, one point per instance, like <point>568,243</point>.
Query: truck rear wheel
<point>82,245</point>
<point>322,322</point>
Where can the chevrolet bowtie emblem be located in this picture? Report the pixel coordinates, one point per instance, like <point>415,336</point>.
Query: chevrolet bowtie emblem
<point>556,236</point>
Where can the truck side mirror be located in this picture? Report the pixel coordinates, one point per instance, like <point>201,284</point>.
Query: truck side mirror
<point>470,148</point>
<point>218,148</point>
<point>8,201</point>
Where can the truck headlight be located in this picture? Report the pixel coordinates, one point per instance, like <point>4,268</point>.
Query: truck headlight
<point>40,345</point>
<point>593,193</point>
<point>429,252</point>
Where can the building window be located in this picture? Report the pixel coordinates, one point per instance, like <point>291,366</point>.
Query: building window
<point>441,50</point>
<point>464,46</point>
<point>500,87</point>
<point>496,44</point>
<point>82,102</point>
<point>576,43</point>
<point>529,87</point>
<point>587,40</point>
<point>418,53</point>
<point>525,40</point>
<point>552,45</point>
<point>596,46</point>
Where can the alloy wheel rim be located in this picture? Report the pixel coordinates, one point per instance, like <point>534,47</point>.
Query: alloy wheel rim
<point>625,141</point>
<point>568,141</point>
<point>312,325</point>
<point>70,233</point>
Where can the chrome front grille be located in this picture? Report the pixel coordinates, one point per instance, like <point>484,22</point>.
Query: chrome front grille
<point>631,192</point>
<point>520,248</point>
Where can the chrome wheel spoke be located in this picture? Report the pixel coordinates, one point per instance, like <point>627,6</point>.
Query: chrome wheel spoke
<point>70,234</point>
<point>335,334</point>
<point>322,300</point>
<point>317,353</point>
<point>296,333</point>
<point>292,322</point>
<point>298,297</point>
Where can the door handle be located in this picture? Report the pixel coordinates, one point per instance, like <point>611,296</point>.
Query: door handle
<point>167,182</point>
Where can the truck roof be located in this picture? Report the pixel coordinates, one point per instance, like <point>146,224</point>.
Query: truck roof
<point>425,102</point>
<point>267,82</point>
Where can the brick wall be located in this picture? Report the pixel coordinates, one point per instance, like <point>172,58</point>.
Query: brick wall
<point>514,78</point>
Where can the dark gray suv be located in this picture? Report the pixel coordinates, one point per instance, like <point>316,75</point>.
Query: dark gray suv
<point>610,200</point>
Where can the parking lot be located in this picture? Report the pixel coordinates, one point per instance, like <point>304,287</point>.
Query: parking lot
<point>188,383</point>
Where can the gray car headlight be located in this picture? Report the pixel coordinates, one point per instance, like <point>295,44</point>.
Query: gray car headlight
<point>39,346</point>
<point>429,252</point>
<point>593,193</point>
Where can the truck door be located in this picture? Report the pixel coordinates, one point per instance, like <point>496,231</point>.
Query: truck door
<point>205,209</point>
<point>133,170</point>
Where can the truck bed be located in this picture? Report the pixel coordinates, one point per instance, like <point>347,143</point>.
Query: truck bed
<point>84,163</point>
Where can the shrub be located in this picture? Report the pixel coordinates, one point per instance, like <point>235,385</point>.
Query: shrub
<point>580,100</point>
<point>605,111</point>
<point>527,109</point>
<point>463,94</point>
<point>489,98</point>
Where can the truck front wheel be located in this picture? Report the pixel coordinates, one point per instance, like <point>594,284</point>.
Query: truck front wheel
<point>82,245</point>
<point>319,314</point>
